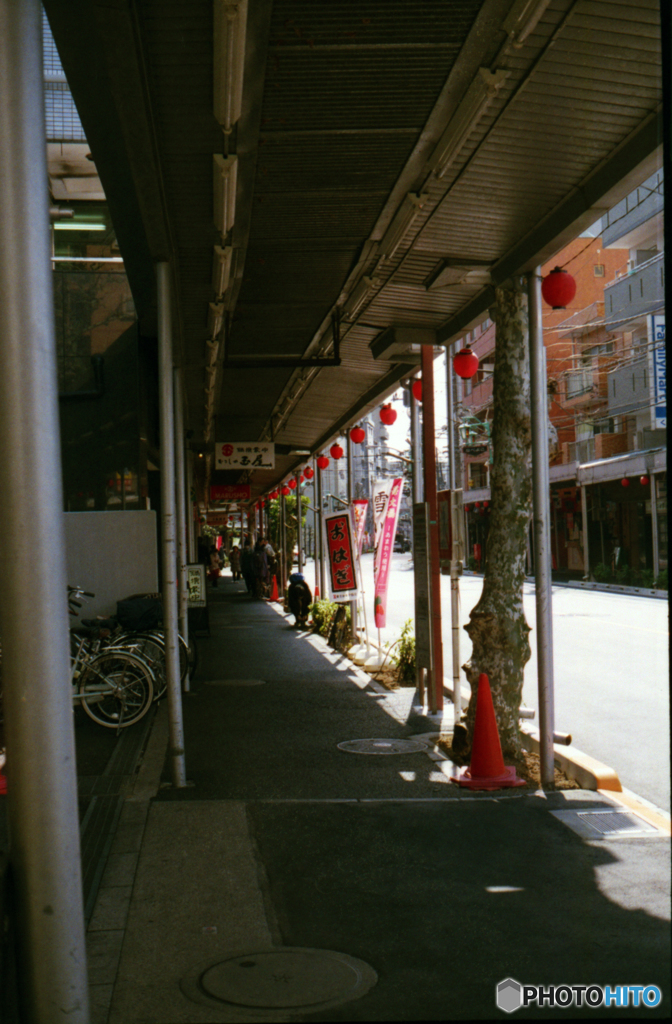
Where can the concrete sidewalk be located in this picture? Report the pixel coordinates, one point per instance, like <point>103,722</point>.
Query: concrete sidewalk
<point>296,880</point>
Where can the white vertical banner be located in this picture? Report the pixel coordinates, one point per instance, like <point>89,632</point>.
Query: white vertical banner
<point>379,502</point>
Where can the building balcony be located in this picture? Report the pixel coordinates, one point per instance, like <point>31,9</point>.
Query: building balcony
<point>579,451</point>
<point>637,293</point>
<point>585,386</point>
<point>629,387</point>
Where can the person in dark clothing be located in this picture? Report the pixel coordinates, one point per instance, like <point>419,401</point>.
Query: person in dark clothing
<point>246,566</point>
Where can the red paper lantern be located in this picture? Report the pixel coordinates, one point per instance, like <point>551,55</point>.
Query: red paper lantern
<point>465,363</point>
<point>625,482</point>
<point>558,288</point>
<point>273,495</point>
<point>388,415</point>
<point>485,504</point>
<point>357,435</point>
<point>336,451</point>
<point>285,491</point>
<point>644,480</point>
<point>322,462</point>
<point>467,508</point>
<point>309,472</point>
<point>416,388</point>
<point>477,504</point>
<point>291,483</point>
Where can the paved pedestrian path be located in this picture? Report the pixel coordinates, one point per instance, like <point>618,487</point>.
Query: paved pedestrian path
<point>292,880</point>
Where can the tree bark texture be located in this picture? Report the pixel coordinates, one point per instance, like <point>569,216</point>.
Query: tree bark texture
<point>497,626</point>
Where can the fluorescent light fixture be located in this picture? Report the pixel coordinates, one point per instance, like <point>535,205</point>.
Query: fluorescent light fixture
<point>71,225</point>
<point>225,172</point>
<point>523,19</point>
<point>402,344</point>
<point>215,318</point>
<point>401,222</point>
<point>229,60</point>
<point>221,269</point>
<point>454,272</point>
<point>478,97</point>
<point>358,297</point>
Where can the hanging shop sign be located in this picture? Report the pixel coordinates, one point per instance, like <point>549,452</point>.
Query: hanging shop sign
<point>657,334</point>
<point>359,507</point>
<point>474,450</point>
<point>196,585</point>
<point>217,518</point>
<point>340,548</point>
<point>385,520</point>
<point>244,455</point>
<point>230,492</point>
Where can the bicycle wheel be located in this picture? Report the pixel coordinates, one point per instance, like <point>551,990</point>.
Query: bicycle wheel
<point>150,647</point>
<point>116,689</point>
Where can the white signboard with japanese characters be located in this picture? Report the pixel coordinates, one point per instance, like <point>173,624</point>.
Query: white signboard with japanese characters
<point>244,455</point>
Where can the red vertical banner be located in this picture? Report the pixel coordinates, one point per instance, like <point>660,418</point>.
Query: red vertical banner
<point>341,556</point>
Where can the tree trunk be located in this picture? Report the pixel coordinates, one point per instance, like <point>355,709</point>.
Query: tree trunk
<point>497,626</point>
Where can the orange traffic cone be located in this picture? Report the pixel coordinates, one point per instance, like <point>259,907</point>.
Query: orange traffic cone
<point>487,769</point>
<point>274,589</point>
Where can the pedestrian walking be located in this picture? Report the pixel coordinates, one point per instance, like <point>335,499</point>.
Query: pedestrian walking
<point>234,558</point>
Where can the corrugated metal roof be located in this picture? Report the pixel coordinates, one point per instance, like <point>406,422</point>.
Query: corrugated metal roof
<point>344,112</point>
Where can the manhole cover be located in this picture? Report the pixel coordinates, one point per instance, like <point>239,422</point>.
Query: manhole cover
<point>383,746</point>
<point>280,979</point>
<point>235,682</point>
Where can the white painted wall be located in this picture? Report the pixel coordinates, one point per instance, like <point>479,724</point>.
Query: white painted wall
<point>111,554</point>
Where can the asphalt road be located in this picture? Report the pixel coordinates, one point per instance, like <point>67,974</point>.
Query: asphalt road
<point>611,668</point>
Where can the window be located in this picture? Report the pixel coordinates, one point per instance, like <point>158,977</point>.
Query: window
<point>598,270</point>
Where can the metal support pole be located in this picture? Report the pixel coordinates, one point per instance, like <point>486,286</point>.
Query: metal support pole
<point>654,528</point>
<point>584,518</point>
<point>320,534</point>
<point>283,541</point>
<point>180,507</point>
<point>454,574</point>
<point>299,538</point>
<point>435,690</point>
<point>191,538</point>
<point>169,553</point>
<point>42,782</point>
<point>541,493</point>
<point>353,604</point>
<point>415,450</point>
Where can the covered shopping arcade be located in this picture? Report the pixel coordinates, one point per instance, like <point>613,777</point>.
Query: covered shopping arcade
<point>292,185</point>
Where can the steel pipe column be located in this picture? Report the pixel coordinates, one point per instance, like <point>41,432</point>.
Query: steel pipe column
<point>454,575</point>
<point>42,782</point>
<point>168,516</point>
<point>435,690</point>
<point>541,503</point>
<point>181,514</point>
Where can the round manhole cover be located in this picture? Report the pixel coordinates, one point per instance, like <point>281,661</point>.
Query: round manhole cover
<point>280,979</point>
<point>383,746</point>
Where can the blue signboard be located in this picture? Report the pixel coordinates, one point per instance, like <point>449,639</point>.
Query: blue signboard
<point>659,385</point>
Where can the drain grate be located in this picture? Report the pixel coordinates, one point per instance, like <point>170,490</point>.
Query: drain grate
<point>615,822</point>
<point>280,980</point>
<point>607,824</point>
<point>383,746</point>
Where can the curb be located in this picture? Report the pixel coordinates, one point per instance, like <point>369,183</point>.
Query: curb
<point>584,769</point>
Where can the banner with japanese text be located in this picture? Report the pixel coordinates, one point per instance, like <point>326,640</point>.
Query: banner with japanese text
<point>385,534</point>
<point>359,507</point>
<point>340,549</point>
<point>379,500</point>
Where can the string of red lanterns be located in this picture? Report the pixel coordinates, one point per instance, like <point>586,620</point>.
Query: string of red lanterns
<point>416,388</point>
<point>357,435</point>
<point>322,462</point>
<point>388,415</point>
<point>336,452</point>
<point>465,363</point>
<point>558,288</point>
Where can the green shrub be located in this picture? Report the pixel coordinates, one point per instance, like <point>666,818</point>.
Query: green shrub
<point>601,572</point>
<point>323,612</point>
<point>622,575</point>
<point>661,582</point>
<point>647,578</point>
<point>404,656</point>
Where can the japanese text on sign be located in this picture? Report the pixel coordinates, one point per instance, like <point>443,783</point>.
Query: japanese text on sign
<point>341,556</point>
<point>244,455</point>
